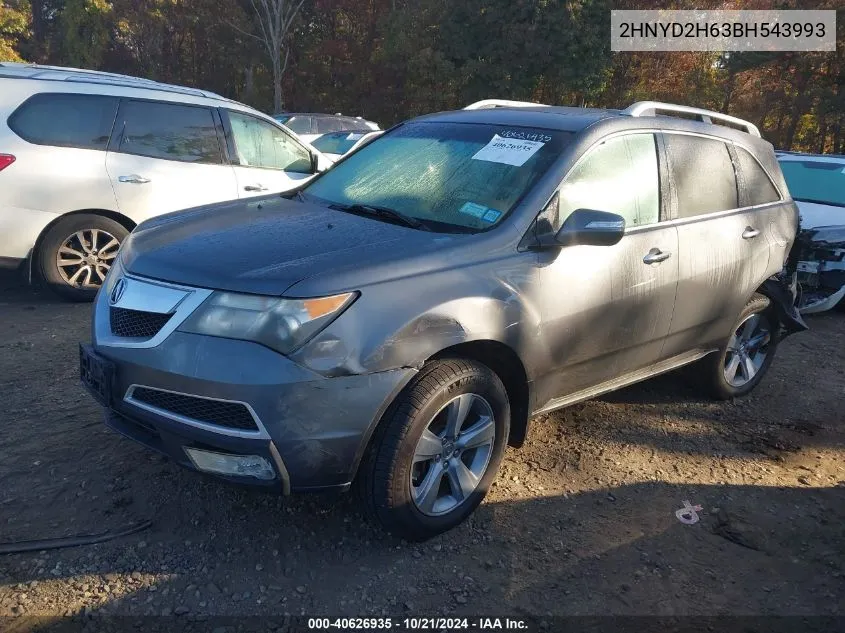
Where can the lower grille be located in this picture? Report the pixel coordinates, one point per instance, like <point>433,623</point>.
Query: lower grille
<point>136,323</point>
<point>234,415</point>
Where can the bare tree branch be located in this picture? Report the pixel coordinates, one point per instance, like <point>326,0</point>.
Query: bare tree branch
<point>274,19</point>
<point>242,32</point>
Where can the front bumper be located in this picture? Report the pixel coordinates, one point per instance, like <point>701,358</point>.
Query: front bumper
<point>311,428</point>
<point>170,439</point>
<point>821,270</point>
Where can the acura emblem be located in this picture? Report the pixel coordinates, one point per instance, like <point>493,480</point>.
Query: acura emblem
<point>117,291</point>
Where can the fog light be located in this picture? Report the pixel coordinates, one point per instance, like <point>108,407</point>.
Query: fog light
<point>226,464</point>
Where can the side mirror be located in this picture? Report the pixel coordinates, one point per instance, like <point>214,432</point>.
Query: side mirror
<point>320,163</point>
<point>592,228</point>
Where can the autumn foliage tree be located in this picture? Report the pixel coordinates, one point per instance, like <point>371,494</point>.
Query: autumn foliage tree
<point>391,59</point>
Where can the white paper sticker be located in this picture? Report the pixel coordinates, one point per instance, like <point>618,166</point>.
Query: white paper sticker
<point>354,137</point>
<point>508,151</point>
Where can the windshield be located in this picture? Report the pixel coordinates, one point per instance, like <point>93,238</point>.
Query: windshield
<point>465,176</point>
<point>815,181</point>
<point>338,142</point>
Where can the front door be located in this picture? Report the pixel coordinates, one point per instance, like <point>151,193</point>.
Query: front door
<point>608,309</point>
<point>266,158</point>
<point>166,156</point>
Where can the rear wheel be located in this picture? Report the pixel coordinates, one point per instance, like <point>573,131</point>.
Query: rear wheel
<point>748,353</point>
<point>77,252</point>
<point>438,449</point>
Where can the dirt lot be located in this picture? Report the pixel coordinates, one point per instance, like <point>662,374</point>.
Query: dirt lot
<point>581,520</point>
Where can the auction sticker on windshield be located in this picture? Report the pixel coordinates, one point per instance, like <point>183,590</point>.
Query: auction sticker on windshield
<point>485,214</point>
<point>508,151</point>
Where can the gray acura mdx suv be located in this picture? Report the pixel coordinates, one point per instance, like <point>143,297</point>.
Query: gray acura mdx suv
<point>397,321</point>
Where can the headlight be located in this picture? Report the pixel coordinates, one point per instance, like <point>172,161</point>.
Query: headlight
<point>281,324</point>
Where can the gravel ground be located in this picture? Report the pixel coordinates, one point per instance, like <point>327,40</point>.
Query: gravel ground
<point>581,519</point>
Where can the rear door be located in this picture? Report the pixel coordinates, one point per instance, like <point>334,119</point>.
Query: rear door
<point>167,156</point>
<point>265,157</point>
<point>722,242</point>
<point>607,309</point>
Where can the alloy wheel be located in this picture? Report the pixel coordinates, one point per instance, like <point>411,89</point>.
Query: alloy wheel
<point>452,455</point>
<point>85,257</point>
<point>747,350</point>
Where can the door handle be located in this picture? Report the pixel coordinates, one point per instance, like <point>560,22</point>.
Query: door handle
<point>655,256</point>
<point>258,187</point>
<point>750,233</point>
<point>135,179</point>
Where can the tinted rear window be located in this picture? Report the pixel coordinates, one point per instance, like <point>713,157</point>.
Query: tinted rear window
<point>756,186</point>
<point>66,120</point>
<point>815,181</point>
<point>169,131</point>
<point>702,174</point>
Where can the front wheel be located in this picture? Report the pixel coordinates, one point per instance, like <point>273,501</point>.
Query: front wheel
<point>748,353</point>
<point>438,449</point>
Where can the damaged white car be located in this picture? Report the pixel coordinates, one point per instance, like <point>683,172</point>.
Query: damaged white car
<point>817,184</point>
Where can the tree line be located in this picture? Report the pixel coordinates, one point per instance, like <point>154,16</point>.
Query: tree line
<point>389,60</point>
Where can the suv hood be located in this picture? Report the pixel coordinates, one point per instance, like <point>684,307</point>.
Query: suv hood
<point>264,246</point>
<point>814,214</point>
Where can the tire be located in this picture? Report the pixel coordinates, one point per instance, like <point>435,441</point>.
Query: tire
<point>764,340</point>
<point>79,282</point>
<point>392,486</point>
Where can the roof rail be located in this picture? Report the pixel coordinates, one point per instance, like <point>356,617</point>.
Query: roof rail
<point>654,108</point>
<point>81,75</point>
<point>502,103</point>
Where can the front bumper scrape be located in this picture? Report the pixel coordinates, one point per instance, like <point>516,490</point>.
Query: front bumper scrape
<point>171,440</point>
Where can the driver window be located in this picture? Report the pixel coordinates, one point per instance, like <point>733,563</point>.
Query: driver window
<point>260,144</point>
<point>620,176</point>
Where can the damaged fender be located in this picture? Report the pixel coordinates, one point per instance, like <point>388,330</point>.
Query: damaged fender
<point>782,291</point>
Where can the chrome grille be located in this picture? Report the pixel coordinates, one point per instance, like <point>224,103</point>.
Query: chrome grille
<point>234,415</point>
<point>136,323</point>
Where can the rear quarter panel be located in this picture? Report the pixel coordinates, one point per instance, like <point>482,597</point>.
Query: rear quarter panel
<point>44,182</point>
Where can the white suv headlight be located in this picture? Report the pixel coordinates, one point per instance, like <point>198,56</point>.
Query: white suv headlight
<point>281,324</point>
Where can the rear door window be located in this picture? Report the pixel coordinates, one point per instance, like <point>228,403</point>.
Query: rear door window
<point>66,120</point>
<point>328,124</point>
<point>702,174</point>
<point>618,176</point>
<point>756,188</point>
<point>170,131</point>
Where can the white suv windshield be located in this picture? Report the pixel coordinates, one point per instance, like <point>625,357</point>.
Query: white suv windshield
<point>446,175</point>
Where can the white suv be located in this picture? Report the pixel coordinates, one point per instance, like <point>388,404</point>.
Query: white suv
<point>85,156</point>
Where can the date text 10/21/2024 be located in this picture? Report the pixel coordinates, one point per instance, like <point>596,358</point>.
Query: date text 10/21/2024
<point>418,624</point>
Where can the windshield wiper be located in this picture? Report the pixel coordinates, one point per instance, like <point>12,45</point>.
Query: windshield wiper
<point>382,212</point>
